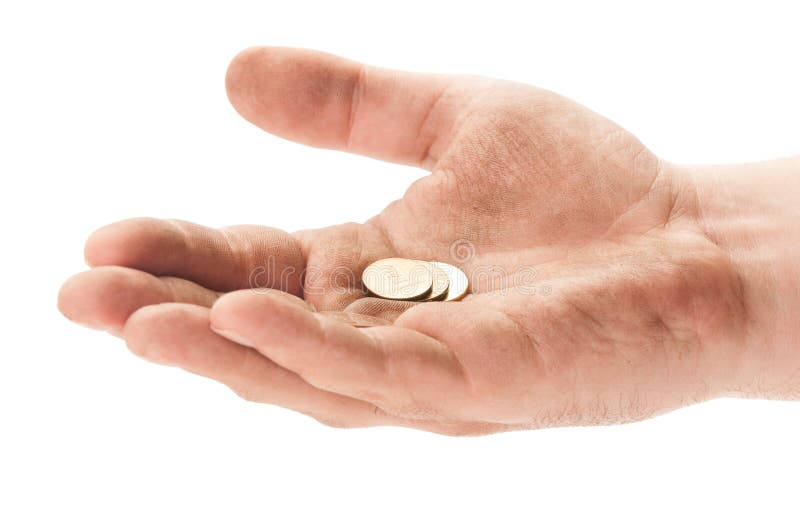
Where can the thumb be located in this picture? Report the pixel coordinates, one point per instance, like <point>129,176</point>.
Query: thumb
<point>326,101</point>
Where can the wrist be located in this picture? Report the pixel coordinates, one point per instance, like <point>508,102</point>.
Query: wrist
<point>752,213</point>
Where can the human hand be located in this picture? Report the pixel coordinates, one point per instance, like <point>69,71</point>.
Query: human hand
<point>598,294</point>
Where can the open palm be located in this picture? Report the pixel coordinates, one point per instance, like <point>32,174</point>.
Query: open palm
<point>596,296</point>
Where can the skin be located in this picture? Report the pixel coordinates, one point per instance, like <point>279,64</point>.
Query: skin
<point>607,285</point>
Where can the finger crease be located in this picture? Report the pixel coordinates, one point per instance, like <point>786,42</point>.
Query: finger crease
<point>355,101</point>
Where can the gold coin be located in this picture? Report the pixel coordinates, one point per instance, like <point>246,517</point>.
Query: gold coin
<point>401,279</point>
<point>441,282</point>
<point>458,281</point>
<point>355,319</point>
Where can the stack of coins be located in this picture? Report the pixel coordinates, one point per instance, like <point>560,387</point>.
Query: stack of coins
<point>414,280</point>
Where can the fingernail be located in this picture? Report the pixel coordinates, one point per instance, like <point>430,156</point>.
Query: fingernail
<point>232,336</point>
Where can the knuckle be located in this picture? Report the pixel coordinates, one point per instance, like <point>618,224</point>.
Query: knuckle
<point>334,422</point>
<point>248,394</point>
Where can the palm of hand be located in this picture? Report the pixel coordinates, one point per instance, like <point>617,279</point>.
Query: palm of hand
<point>593,285</point>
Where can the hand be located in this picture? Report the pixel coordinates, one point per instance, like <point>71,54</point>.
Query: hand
<point>598,294</point>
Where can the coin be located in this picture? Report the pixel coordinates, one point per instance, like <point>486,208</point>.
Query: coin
<point>441,282</point>
<point>458,281</point>
<point>401,279</point>
<point>355,319</point>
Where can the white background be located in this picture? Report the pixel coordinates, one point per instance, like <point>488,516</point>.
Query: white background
<point>110,110</point>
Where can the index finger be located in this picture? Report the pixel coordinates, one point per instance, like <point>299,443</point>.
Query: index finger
<point>245,256</point>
